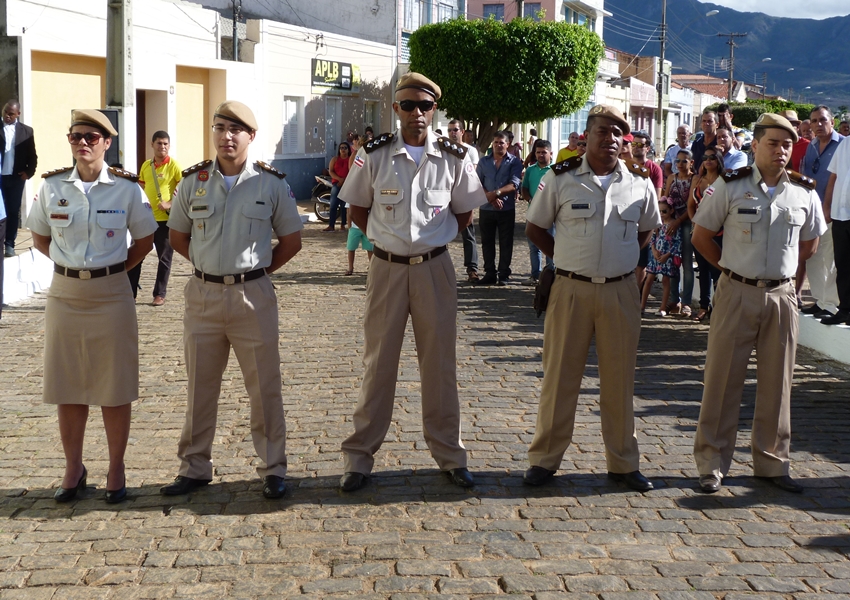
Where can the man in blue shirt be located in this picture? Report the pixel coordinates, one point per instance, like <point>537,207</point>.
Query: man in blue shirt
<point>821,266</point>
<point>733,159</point>
<point>500,174</point>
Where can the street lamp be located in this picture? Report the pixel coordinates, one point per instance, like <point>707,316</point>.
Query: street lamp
<point>764,83</point>
<point>660,135</point>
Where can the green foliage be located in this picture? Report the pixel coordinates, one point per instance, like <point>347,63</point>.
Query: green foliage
<point>492,73</point>
<point>744,115</point>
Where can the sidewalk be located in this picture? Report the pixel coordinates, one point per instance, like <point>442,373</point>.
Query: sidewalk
<point>409,534</point>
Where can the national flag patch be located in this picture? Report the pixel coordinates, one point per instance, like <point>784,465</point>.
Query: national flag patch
<point>541,186</point>
<point>709,191</point>
<point>358,161</point>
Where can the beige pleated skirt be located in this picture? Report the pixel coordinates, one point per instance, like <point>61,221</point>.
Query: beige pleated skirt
<point>91,342</point>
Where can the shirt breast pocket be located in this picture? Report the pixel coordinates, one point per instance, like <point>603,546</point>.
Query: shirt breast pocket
<point>629,215</point>
<point>744,224</point>
<point>579,218</point>
<point>61,230</point>
<point>259,219</point>
<point>389,206</point>
<point>794,219</point>
<point>201,215</point>
<point>111,230</point>
<point>435,202</point>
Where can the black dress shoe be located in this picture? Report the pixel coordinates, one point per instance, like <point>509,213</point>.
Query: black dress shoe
<point>489,279</point>
<point>182,485</point>
<point>824,314</point>
<point>709,483</point>
<point>784,482</point>
<point>461,476</point>
<point>63,495</point>
<point>811,309</point>
<point>537,476</point>
<point>352,481</point>
<point>839,318</point>
<point>273,487</point>
<point>634,480</point>
<point>114,497</point>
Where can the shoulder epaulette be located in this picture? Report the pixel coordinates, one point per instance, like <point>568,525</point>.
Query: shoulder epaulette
<point>270,169</point>
<point>566,165</point>
<point>446,145</point>
<point>738,174</point>
<point>125,174</point>
<point>806,182</point>
<point>195,168</point>
<point>378,142</point>
<point>56,172</point>
<point>637,169</point>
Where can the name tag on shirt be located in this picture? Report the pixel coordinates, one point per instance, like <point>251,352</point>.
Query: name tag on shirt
<point>198,207</point>
<point>389,192</point>
<point>579,206</point>
<point>59,216</point>
<point>748,211</point>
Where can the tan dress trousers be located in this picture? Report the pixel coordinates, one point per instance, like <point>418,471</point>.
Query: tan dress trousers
<point>217,317</point>
<point>744,317</point>
<point>820,270</point>
<point>427,292</point>
<point>577,311</point>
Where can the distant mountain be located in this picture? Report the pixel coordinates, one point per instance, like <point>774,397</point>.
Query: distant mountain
<point>817,51</point>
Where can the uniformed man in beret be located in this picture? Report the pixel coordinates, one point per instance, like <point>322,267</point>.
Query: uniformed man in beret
<point>222,221</point>
<point>769,216</point>
<point>421,190</point>
<point>604,210</point>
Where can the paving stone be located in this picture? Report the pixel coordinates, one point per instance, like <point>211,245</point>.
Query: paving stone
<point>513,584</point>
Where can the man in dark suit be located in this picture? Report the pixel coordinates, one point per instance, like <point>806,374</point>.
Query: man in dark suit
<point>17,146</point>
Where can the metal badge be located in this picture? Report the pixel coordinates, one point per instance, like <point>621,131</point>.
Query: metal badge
<point>63,202</point>
<point>201,192</point>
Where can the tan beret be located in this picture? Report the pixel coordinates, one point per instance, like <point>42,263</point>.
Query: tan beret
<point>604,110</point>
<point>236,112</point>
<point>774,121</point>
<point>418,81</point>
<point>791,115</point>
<point>93,118</point>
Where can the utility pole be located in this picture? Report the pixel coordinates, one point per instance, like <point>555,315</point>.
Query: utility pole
<point>120,90</point>
<point>520,8</point>
<point>732,45</point>
<point>659,87</point>
<point>237,9</point>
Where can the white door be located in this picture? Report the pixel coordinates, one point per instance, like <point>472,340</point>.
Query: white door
<point>333,129</point>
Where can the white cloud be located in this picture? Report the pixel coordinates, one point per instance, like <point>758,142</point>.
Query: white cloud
<point>813,9</point>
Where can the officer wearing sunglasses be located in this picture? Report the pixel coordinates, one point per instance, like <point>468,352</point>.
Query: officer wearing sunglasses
<point>411,192</point>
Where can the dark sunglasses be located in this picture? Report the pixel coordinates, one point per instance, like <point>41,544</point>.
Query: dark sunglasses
<point>455,130</point>
<point>638,144</point>
<point>423,105</point>
<point>92,138</point>
<point>582,144</point>
<point>685,160</point>
<point>709,157</point>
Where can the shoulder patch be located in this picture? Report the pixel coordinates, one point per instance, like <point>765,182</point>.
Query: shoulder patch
<point>637,169</point>
<point>446,145</point>
<point>378,142</point>
<point>566,165</point>
<point>125,174</point>
<point>799,178</point>
<point>195,168</point>
<point>56,172</point>
<point>270,169</point>
<point>738,174</point>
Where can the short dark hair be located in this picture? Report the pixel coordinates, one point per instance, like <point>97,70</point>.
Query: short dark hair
<point>509,134</point>
<point>160,135</point>
<point>726,129</point>
<point>505,135</point>
<point>723,108</point>
<point>824,108</point>
<point>542,144</point>
<point>532,131</point>
<point>368,130</point>
<point>457,122</point>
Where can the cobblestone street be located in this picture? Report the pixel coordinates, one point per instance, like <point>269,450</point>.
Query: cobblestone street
<point>410,534</point>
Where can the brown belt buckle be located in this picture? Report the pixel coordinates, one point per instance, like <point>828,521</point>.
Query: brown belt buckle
<point>229,279</point>
<point>416,260</point>
<point>85,274</point>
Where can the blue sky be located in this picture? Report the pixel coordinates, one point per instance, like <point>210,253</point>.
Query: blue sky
<point>814,9</point>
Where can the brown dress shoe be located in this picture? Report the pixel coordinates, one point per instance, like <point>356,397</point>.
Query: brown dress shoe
<point>158,301</point>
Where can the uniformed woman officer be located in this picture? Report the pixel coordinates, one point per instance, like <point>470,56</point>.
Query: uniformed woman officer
<point>91,341</point>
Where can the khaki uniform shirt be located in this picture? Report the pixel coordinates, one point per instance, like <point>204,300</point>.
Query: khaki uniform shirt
<point>760,233</point>
<point>413,208</point>
<point>89,231</point>
<point>595,230</point>
<point>232,231</point>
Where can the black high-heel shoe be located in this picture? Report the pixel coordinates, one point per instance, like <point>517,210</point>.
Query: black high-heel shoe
<point>119,495</point>
<point>63,495</point>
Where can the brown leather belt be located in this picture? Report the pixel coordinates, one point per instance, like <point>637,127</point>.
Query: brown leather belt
<point>762,283</point>
<point>577,277</point>
<point>230,279</point>
<point>408,260</point>
<point>88,273</point>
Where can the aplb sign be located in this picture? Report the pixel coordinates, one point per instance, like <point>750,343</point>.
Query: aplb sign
<point>330,75</point>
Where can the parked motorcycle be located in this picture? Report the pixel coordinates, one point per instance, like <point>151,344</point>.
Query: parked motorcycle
<point>322,198</point>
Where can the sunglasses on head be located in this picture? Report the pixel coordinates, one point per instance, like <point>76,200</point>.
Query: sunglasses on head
<point>423,105</point>
<point>91,138</point>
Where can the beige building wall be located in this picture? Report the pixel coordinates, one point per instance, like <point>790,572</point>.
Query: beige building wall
<point>193,115</point>
<point>82,81</point>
